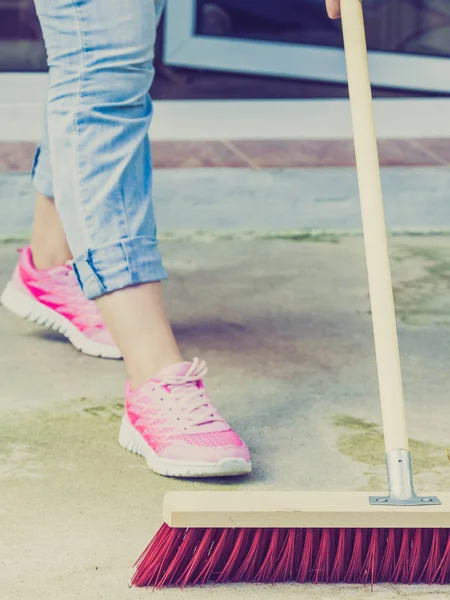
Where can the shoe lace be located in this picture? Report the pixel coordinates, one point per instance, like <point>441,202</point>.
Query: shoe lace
<point>65,279</point>
<point>190,400</point>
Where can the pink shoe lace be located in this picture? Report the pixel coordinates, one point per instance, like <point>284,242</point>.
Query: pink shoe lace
<point>184,414</point>
<point>191,399</point>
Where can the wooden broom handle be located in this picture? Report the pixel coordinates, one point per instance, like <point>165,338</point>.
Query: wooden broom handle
<point>374,228</point>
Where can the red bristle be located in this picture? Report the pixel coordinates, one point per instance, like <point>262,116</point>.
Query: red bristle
<point>285,569</point>
<point>388,559</point>
<point>370,566</point>
<point>173,542</point>
<point>427,540</point>
<point>442,574</point>
<point>325,552</point>
<point>185,551</point>
<point>158,554</point>
<point>155,545</point>
<point>254,558</point>
<point>402,568</point>
<point>182,557</point>
<point>228,546</point>
<point>298,550</point>
<point>415,564</point>
<point>158,539</point>
<point>216,556</point>
<point>236,554</point>
<point>341,558</point>
<point>198,559</point>
<point>270,561</point>
<point>383,537</point>
<point>434,558</point>
<point>306,557</point>
<point>356,561</point>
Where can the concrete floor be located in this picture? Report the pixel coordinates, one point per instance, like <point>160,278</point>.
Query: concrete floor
<point>285,328</point>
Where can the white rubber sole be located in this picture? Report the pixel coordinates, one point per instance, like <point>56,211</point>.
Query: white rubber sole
<point>131,440</point>
<point>30,309</point>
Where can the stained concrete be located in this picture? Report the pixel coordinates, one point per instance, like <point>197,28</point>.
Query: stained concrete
<point>285,327</point>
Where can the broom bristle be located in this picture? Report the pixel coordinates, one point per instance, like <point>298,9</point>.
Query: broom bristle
<point>182,557</point>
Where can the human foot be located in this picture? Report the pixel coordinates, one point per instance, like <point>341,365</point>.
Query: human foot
<point>53,298</point>
<point>171,422</point>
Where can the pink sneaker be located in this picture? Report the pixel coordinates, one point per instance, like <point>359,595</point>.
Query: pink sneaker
<point>54,299</point>
<point>171,422</point>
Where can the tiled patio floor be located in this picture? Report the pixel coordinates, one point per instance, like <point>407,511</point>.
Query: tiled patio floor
<point>262,153</point>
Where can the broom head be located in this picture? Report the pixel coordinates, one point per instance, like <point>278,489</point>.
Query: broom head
<point>319,537</point>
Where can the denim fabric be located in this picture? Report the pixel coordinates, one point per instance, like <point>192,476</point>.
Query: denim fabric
<point>42,168</point>
<point>95,160</point>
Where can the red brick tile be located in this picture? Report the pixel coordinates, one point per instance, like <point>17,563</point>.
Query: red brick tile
<point>297,153</point>
<point>408,153</point>
<point>16,156</point>
<point>196,154</point>
<point>439,148</point>
<point>328,153</point>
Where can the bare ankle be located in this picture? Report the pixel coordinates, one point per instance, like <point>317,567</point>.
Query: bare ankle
<point>137,319</point>
<point>48,258</point>
<point>48,241</point>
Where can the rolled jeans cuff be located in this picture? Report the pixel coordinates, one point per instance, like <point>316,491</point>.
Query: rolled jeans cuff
<point>126,262</point>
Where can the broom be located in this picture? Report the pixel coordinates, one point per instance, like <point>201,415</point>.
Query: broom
<point>317,537</point>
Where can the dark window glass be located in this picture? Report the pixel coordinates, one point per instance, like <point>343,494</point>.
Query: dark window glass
<point>21,45</point>
<point>408,26</point>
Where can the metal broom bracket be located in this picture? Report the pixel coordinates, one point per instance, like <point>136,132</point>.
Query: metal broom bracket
<point>400,481</point>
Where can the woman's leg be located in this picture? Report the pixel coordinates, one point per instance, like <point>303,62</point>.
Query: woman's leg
<point>99,113</point>
<point>100,55</point>
<point>48,240</point>
<point>137,319</point>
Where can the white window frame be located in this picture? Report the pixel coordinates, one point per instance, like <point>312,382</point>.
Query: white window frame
<point>183,48</point>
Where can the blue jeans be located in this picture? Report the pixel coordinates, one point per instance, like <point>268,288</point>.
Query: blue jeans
<point>95,156</point>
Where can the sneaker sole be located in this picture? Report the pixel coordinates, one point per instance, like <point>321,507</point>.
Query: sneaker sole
<point>131,440</point>
<point>30,309</point>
